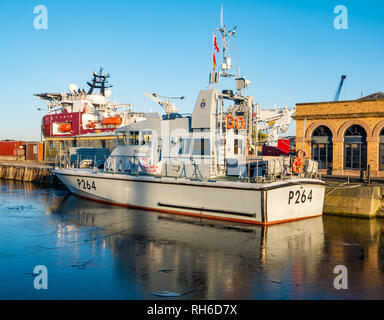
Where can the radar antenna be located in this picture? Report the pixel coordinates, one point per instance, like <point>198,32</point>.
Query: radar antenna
<point>99,81</point>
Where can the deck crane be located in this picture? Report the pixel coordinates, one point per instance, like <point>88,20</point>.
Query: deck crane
<point>337,95</point>
<point>165,104</point>
<point>273,120</point>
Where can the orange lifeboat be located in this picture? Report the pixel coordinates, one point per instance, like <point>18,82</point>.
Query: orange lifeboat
<point>65,127</point>
<point>112,120</point>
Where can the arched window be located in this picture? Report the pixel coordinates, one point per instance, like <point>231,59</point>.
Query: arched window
<point>355,148</point>
<point>322,147</point>
<point>381,150</point>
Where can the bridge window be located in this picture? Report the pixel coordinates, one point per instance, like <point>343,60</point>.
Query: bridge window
<point>121,139</point>
<point>201,142</point>
<point>184,145</point>
<point>322,147</point>
<point>134,137</point>
<point>355,148</point>
<point>146,137</point>
<point>201,147</point>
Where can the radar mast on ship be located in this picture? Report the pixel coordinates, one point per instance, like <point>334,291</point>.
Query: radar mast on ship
<point>226,65</point>
<point>225,40</point>
<point>99,81</point>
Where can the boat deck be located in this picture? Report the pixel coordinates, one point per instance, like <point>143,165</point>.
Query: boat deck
<point>220,183</point>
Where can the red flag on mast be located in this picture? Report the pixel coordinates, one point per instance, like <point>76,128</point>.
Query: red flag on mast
<point>214,61</point>
<point>216,46</point>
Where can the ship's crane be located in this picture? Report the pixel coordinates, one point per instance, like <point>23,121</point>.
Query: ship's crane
<point>337,95</point>
<point>167,105</point>
<point>272,121</point>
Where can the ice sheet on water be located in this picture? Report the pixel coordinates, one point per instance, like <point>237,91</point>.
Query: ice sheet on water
<point>20,207</point>
<point>81,265</point>
<point>350,244</point>
<point>166,270</point>
<point>169,294</point>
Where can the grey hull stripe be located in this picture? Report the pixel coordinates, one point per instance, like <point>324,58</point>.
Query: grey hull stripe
<point>161,204</point>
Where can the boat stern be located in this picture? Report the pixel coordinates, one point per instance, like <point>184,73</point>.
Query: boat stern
<point>295,201</point>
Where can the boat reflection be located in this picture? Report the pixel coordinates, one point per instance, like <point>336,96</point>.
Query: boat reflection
<point>114,252</point>
<point>215,259</point>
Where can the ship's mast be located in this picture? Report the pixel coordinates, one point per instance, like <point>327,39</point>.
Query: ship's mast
<point>218,166</point>
<point>225,40</point>
<point>226,65</point>
<point>99,81</point>
<point>243,105</point>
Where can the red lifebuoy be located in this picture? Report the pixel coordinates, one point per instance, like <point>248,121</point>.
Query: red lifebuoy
<point>297,165</point>
<point>302,152</point>
<point>227,124</point>
<point>240,119</point>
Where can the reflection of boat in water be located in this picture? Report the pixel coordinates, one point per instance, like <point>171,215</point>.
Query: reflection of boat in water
<point>186,165</point>
<point>157,251</point>
<point>305,235</point>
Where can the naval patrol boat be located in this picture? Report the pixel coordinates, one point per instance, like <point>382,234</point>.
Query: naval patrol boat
<point>203,165</point>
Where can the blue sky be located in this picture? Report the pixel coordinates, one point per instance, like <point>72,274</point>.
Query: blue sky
<point>288,49</point>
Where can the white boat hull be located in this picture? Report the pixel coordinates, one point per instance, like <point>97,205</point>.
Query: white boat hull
<point>265,204</point>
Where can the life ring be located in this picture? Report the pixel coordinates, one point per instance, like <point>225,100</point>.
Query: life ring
<point>238,120</point>
<point>302,152</point>
<point>227,124</point>
<point>297,165</point>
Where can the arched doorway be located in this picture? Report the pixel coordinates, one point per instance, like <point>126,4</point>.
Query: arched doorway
<point>355,148</point>
<point>381,150</point>
<point>322,147</point>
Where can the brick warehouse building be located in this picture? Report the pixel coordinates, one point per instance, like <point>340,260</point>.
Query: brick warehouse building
<point>345,136</point>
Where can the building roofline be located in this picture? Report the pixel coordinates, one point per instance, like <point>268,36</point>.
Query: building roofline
<point>343,101</point>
